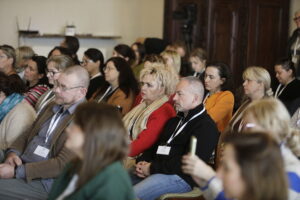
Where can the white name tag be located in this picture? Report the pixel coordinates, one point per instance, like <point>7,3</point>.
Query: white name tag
<point>163,150</point>
<point>41,151</point>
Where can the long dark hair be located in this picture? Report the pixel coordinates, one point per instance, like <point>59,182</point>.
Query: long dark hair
<point>126,52</point>
<point>41,67</point>
<point>126,79</point>
<point>105,138</point>
<point>95,55</point>
<point>225,73</point>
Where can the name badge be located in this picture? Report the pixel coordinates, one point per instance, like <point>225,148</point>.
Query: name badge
<point>41,151</point>
<point>163,150</point>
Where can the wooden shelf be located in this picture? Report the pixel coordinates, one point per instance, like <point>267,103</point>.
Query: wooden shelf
<point>85,36</point>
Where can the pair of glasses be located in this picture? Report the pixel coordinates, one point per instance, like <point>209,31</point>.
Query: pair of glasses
<point>51,73</point>
<point>84,62</point>
<point>65,88</point>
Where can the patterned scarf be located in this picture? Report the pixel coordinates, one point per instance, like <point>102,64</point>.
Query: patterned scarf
<point>9,103</point>
<point>136,119</point>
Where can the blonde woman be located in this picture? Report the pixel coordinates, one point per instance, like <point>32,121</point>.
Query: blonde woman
<point>257,85</point>
<point>146,120</point>
<point>172,59</point>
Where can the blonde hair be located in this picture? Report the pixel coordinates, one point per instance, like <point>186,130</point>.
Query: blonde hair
<point>61,62</point>
<point>24,52</point>
<point>271,115</point>
<point>175,57</point>
<point>163,74</point>
<point>261,75</point>
<point>200,53</point>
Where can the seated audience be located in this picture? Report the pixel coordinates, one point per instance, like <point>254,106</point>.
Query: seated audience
<point>38,156</point>
<point>139,51</point>
<point>96,172</point>
<point>219,101</point>
<point>198,60</point>
<point>146,120</point>
<point>15,115</point>
<point>257,85</point>
<point>267,115</point>
<point>252,168</point>
<point>7,65</point>
<point>158,170</point>
<point>72,44</point>
<point>172,59</point>
<point>55,66</point>
<point>124,51</point>
<point>93,61</point>
<point>289,86</point>
<point>23,55</point>
<point>122,88</point>
<point>36,79</point>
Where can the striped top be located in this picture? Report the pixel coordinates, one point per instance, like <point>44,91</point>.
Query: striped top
<point>34,93</point>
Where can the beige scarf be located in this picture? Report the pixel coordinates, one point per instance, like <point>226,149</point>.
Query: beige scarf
<point>136,119</point>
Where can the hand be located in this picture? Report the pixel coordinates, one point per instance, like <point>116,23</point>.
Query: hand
<point>7,171</point>
<point>199,170</point>
<point>13,160</point>
<point>142,169</point>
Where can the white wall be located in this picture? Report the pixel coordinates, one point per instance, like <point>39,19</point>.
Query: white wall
<point>128,18</point>
<point>294,6</point>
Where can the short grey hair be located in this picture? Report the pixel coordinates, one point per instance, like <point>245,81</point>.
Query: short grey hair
<point>81,73</point>
<point>195,86</point>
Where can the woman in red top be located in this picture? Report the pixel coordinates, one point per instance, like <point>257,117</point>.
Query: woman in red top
<point>146,121</point>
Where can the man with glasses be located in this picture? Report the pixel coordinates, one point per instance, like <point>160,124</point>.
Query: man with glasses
<point>294,44</point>
<point>38,156</point>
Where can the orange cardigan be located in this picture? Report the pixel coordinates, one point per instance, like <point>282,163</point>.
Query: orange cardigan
<point>118,98</point>
<point>219,106</point>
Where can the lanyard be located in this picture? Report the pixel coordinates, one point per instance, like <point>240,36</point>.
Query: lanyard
<point>54,121</point>
<point>205,98</point>
<point>108,91</point>
<point>182,127</point>
<point>278,91</point>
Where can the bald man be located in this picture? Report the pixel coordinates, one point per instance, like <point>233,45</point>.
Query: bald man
<point>158,170</point>
<point>37,157</point>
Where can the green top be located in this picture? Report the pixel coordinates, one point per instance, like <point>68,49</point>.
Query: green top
<point>111,183</point>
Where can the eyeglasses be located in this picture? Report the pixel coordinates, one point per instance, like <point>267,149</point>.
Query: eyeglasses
<point>64,88</point>
<point>296,18</point>
<point>51,73</point>
<point>84,62</point>
<point>108,68</point>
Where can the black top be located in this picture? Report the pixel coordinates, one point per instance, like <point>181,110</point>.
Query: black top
<point>290,96</point>
<point>202,127</point>
<point>95,83</point>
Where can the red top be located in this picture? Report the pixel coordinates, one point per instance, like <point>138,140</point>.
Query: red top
<point>155,125</point>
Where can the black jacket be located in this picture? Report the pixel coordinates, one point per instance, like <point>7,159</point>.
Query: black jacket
<point>202,127</point>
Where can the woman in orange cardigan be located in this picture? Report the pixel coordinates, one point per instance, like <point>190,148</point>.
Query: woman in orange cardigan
<point>219,100</point>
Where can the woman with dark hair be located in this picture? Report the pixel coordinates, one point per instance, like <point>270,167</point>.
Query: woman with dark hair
<point>252,169</point>
<point>36,79</point>
<point>288,89</point>
<point>93,61</point>
<point>219,100</point>
<point>72,44</point>
<point>15,114</point>
<point>122,88</point>
<point>57,51</point>
<point>139,51</point>
<point>99,140</point>
<point>124,51</point>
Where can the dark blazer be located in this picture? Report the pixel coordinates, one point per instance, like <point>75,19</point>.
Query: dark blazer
<point>202,127</point>
<point>60,154</point>
<point>95,84</point>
